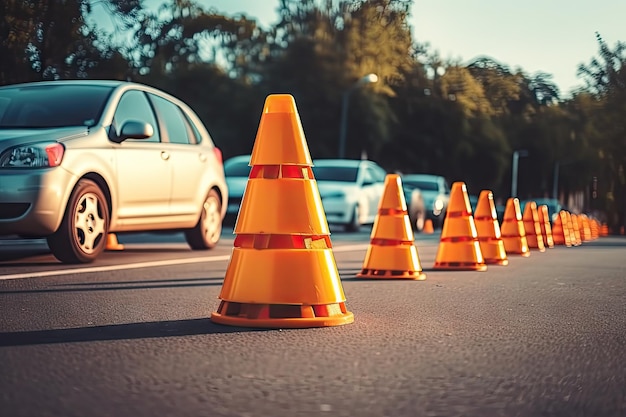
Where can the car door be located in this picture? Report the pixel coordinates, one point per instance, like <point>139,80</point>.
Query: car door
<point>143,169</point>
<point>188,160</point>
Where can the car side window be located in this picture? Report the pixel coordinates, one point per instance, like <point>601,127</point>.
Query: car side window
<point>134,105</point>
<point>380,174</point>
<point>369,176</point>
<point>177,127</point>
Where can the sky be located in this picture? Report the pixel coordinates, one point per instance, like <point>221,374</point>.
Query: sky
<point>551,36</point>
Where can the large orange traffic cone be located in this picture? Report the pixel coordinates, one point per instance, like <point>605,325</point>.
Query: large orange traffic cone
<point>282,272</point>
<point>546,227</point>
<point>532,228</point>
<point>560,230</point>
<point>488,230</point>
<point>459,247</point>
<point>513,232</point>
<point>392,252</point>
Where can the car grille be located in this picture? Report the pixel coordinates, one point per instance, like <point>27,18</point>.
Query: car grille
<point>13,210</point>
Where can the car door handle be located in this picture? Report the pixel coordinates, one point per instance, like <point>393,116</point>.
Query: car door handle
<point>165,155</point>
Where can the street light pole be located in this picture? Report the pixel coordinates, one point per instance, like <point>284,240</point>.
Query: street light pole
<point>516,156</point>
<point>345,100</point>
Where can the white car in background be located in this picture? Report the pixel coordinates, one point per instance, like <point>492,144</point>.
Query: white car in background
<point>350,190</point>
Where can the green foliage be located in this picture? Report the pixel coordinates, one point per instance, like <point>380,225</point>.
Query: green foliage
<point>424,114</point>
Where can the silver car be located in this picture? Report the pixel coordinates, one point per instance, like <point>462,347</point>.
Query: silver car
<point>81,159</point>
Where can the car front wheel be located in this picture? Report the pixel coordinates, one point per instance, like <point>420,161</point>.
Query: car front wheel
<point>81,237</point>
<point>206,233</point>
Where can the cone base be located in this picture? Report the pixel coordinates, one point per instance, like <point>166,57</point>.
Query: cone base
<point>460,266</point>
<point>285,316</point>
<point>522,254</point>
<point>112,243</point>
<point>391,274</point>
<point>502,262</point>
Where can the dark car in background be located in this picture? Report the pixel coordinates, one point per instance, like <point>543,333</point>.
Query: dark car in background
<point>436,193</point>
<point>80,159</point>
<point>554,206</point>
<point>237,171</point>
<point>416,206</point>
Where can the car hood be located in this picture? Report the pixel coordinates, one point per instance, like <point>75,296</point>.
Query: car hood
<point>431,196</point>
<point>329,188</point>
<point>10,137</point>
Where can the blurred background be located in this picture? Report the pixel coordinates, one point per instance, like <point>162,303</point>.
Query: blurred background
<point>364,87</point>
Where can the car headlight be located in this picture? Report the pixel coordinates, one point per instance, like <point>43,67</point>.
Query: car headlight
<point>438,205</point>
<point>39,155</point>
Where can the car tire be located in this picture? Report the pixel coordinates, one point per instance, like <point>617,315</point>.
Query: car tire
<point>354,224</point>
<point>207,232</point>
<point>81,237</point>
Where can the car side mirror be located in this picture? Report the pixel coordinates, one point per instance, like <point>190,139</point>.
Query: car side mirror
<point>133,129</point>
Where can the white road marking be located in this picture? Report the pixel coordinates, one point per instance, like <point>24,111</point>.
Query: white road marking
<point>152,264</point>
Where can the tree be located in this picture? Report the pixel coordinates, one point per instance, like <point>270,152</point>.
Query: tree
<point>52,40</point>
<point>606,127</point>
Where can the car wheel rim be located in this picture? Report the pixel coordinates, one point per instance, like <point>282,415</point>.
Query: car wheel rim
<point>89,222</point>
<point>211,220</point>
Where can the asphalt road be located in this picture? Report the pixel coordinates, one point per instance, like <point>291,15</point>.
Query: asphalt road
<point>130,336</point>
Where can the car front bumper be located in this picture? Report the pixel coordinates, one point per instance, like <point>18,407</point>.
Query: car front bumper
<point>32,201</point>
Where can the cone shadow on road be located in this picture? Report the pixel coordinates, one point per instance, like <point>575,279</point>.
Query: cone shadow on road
<point>129,331</point>
<point>124,285</point>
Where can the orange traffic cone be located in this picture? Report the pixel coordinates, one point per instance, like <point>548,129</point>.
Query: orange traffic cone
<point>595,229</point>
<point>532,228</point>
<point>604,230</point>
<point>576,224</point>
<point>459,247</point>
<point>513,232</point>
<point>392,252</point>
<point>570,228</point>
<point>560,231</point>
<point>429,229</point>
<point>112,243</point>
<point>282,272</point>
<point>585,228</point>
<point>546,227</point>
<point>488,230</point>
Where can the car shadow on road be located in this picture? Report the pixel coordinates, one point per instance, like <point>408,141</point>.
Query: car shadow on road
<point>149,330</point>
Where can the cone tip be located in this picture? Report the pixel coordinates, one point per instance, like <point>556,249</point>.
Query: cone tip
<point>280,103</point>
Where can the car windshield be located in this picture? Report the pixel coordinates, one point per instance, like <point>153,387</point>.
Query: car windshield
<point>422,185</point>
<point>343,174</point>
<point>237,169</point>
<point>52,105</point>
